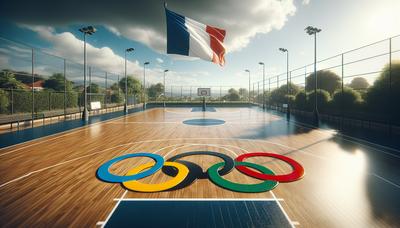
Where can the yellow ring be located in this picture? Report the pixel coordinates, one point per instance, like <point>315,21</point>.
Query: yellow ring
<point>135,185</point>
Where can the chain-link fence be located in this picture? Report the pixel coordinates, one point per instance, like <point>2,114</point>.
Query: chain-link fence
<point>37,85</point>
<point>360,84</point>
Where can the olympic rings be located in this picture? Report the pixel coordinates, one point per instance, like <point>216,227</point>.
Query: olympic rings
<point>298,170</point>
<point>104,174</point>
<point>253,188</point>
<point>135,185</point>
<point>184,172</point>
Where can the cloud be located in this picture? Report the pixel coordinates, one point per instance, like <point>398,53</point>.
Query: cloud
<point>159,60</point>
<point>103,59</point>
<point>144,21</point>
<point>305,2</point>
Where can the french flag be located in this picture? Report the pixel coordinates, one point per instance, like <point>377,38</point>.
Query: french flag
<point>188,37</point>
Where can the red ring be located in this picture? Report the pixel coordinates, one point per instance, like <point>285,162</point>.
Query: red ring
<point>297,173</point>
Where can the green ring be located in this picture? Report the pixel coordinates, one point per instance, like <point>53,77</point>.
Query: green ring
<point>249,188</point>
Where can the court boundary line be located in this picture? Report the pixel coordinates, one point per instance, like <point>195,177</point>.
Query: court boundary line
<point>284,212</point>
<point>103,223</point>
<point>199,199</point>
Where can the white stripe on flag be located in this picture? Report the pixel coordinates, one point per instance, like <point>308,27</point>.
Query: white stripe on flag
<point>199,40</point>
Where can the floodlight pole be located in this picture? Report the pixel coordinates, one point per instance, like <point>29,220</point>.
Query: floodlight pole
<point>86,30</point>
<point>85,115</point>
<point>248,71</point>
<point>287,82</point>
<point>165,71</point>
<point>126,83</point>
<point>315,80</point>
<point>144,84</point>
<point>126,89</point>
<point>313,31</point>
<point>263,88</point>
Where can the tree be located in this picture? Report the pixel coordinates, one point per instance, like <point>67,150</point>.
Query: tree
<point>156,90</point>
<point>93,88</point>
<point>359,83</point>
<point>380,98</point>
<point>279,96</point>
<point>243,93</point>
<point>56,82</point>
<point>326,80</point>
<point>233,95</point>
<point>347,100</point>
<point>8,81</point>
<point>3,101</point>
<point>134,85</point>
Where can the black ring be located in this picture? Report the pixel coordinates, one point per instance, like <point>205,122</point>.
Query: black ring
<point>194,171</point>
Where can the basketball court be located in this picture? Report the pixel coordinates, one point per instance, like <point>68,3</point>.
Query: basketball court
<point>55,181</point>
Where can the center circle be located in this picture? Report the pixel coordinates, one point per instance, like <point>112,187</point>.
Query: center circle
<point>204,122</point>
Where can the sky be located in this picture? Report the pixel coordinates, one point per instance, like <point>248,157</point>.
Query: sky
<point>255,30</point>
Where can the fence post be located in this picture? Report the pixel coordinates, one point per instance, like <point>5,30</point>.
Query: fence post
<point>342,100</point>
<point>171,94</point>
<point>105,97</point>
<point>33,91</point>
<point>253,93</point>
<point>277,81</point>
<point>12,101</point>
<point>305,79</point>
<point>391,113</point>
<point>190,93</point>
<point>118,87</point>
<point>65,91</point>
<point>181,94</point>
<point>49,101</point>
<point>90,84</point>
<point>258,92</point>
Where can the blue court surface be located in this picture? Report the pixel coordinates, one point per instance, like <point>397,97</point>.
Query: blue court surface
<point>204,122</point>
<point>200,109</point>
<point>204,213</point>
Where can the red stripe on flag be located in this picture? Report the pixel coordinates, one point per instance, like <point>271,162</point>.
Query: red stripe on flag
<point>217,37</point>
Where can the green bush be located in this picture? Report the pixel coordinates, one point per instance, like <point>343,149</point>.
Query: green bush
<point>348,100</point>
<point>44,101</point>
<point>4,102</point>
<point>300,101</point>
<point>323,99</point>
<point>379,98</point>
<point>117,98</point>
<point>279,96</point>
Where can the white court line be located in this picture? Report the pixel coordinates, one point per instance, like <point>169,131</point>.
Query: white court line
<point>181,122</point>
<point>112,211</point>
<point>385,180</point>
<point>283,210</point>
<point>198,199</point>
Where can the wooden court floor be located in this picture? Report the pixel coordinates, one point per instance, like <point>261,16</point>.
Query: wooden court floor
<point>52,181</point>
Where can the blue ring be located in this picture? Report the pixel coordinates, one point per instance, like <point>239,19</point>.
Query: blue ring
<point>104,174</point>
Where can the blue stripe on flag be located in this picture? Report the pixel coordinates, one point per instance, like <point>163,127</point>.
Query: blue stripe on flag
<point>177,34</point>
